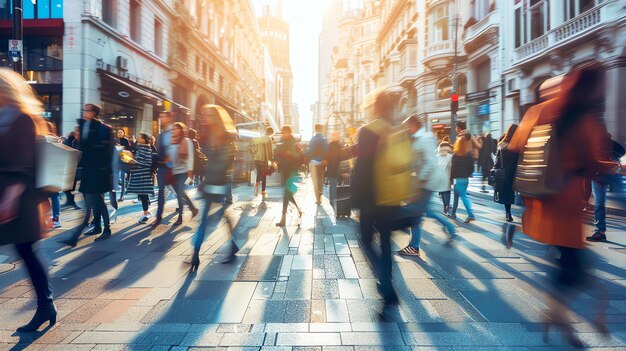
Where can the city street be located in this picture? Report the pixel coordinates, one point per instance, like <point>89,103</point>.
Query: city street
<point>307,286</point>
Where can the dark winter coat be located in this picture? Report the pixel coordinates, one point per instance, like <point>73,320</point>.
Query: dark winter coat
<point>97,170</point>
<point>484,155</point>
<point>289,156</point>
<point>363,193</point>
<point>18,165</point>
<point>462,166</point>
<point>334,159</point>
<point>221,162</point>
<point>141,176</point>
<point>506,160</point>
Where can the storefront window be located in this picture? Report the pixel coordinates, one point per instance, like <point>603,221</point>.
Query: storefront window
<point>119,117</point>
<point>43,54</point>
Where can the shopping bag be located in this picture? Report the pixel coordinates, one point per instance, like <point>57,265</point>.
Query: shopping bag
<point>56,165</point>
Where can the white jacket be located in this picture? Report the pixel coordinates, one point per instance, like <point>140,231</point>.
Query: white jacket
<point>425,163</point>
<point>441,178</point>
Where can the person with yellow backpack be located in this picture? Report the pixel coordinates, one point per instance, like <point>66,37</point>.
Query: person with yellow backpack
<point>382,183</point>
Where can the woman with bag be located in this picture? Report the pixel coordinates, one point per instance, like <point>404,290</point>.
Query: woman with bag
<point>141,176</point>
<point>20,218</point>
<point>502,176</point>
<point>289,156</point>
<point>181,154</point>
<point>466,149</point>
<point>217,143</point>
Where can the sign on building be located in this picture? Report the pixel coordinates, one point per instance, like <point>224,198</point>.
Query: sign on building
<point>15,49</point>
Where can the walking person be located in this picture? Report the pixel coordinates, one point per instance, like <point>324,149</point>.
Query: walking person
<point>557,219</point>
<point>55,198</point>
<point>181,154</point>
<point>125,145</point>
<point>289,157</point>
<point>462,168</point>
<point>164,163</point>
<point>263,155</point>
<point>485,160</point>
<point>333,160</point>
<point>613,151</point>
<point>318,147</point>
<point>141,176</point>
<point>20,220</point>
<point>72,141</point>
<point>96,143</point>
<point>444,163</point>
<point>506,165</point>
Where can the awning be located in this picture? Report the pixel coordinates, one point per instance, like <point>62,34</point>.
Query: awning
<point>119,90</point>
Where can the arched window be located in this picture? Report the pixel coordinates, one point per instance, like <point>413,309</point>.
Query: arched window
<point>461,82</point>
<point>444,88</point>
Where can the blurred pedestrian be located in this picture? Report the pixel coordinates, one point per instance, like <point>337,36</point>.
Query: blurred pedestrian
<point>97,146</point>
<point>125,144</point>
<point>263,156</point>
<point>316,152</point>
<point>485,154</point>
<point>55,198</point>
<point>333,159</point>
<point>217,143</point>
<point>72,141</point>
<point>444,163</point>
<point>557,219</point>
<point>504,173</point>
<point>290,157</point>
<point>20,219</point>
<point>465,148</point>
<point>141,176</point>
<point>164,164</point>
<point>181,154</point>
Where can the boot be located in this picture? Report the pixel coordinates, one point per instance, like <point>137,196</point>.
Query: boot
<point>43,314</point>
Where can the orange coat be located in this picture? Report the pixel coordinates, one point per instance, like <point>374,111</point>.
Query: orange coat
<point>559,220</point>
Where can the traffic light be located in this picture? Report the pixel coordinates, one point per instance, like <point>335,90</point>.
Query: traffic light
<point>454,103</point>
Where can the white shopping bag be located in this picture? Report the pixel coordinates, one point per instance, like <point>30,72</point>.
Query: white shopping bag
<point>56,165</point>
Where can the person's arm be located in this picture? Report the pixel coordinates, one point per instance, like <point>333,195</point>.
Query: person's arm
<point>190,156</point>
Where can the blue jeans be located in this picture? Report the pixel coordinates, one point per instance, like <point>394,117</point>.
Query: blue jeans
<point>56,205</point>
<point>122,177</point>
<point>419,207</point>
<point>179,189</point>
<point>599,204</point>
<point>200,234</point>
<point>460,190</point>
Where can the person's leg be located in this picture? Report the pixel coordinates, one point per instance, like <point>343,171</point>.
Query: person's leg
<point>455,203</point>
<point>229,194</point>
<point>462,187</point>
<point>367,237</point>
<point>179,189</point>
<point>450,228</point>
<point>507,208</point>
<point>204,220</point>
<point>145,203</point>
<point>332,192</point>
<point>314,180</point>
<point>113,199</point>
<point>38,273</point>
<point>263,174</point>
<point>122,178</point>
<point>599,205</point>
<point>445,197</point>
<point>384,277</point>
<point>104,212</point>
<point>55,200</point>
<point>160,198</point>
<point>286,198</point>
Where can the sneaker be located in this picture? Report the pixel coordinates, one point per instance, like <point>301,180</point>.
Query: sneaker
<point>469,220</point>
<point>597,236</point>
<point>409,251</point>
<point>452,215</point>
<point>56,224</point>
<point>144,219</point>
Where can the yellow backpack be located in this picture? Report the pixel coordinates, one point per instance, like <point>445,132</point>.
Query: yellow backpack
<point>393,165</point>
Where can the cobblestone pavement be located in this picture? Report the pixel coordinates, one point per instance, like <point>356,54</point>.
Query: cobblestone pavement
<point>299,288</point>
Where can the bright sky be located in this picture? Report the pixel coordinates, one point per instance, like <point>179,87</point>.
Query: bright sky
<point>305,20</point>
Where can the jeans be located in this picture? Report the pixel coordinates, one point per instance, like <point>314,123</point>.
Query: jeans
<point>38,273</point>
<point>122,177</point>
<point>332,192</point>
<point>317,176</point>
<point>200,234</point>
<point>443,220</point>
<point>179,189</point>
<point>56,205</point>
<point>445,198</point>
<point>145,201</point>
<point>460,189</point>
<point>419,207</point>
<point>371,218</point>
<point>599,205</point>
<point>160,194</point>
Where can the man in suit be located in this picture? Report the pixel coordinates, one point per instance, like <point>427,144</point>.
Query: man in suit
<point>166,118</point>
<point>96,144</point>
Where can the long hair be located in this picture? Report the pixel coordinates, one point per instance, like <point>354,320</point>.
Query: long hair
<point>223,122</point>
<point>581,91</point>
<point>17,93</point>
<point>506,138</point>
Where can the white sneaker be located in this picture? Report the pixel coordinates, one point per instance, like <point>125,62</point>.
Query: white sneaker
<point>56,224</point>
<point>145,218</point>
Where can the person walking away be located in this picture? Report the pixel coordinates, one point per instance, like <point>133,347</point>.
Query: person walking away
<point>96,142</point>
<point>557,219</point>
<point>72,141</point>
<point>20,220</point>
<point>164,163</point>
<point>462,169</point>
<point>217,143</point>
<point>485,160</point>
<point>125,144</point>
<point>289,157</point>
<point>444,163</point>
<point>614,151</point>
<point>55,199</point>
<point>333,159</point>
<point>506,165</point>
<point>181,154</point>
<point>263,155</point>
<point>318,147</point>
<point>192,135</point>
<point>365,196</point>
<point>141,177</point>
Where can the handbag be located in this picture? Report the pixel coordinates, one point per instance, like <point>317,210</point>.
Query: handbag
<point>496,175</point>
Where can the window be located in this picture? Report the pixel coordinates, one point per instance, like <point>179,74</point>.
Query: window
<point>109,12</point>
<point>135,21</point>
<point>158,37</point>
<point>480,9</point>
<point>41,9</point>
<point>532,20</point>
<point>440,24</point>
<point>444,88</point>
<point>461,84</point>
<point>574,8</point>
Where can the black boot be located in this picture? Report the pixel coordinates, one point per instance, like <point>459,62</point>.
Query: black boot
<point>106,233</point>
<point>43,314</point>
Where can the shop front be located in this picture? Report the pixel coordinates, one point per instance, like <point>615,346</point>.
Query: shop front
<point>479,112</point>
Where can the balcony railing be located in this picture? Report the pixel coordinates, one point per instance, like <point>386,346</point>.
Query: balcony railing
<point>480,27</point>
<point>577,27</point>
<point>440,48</point>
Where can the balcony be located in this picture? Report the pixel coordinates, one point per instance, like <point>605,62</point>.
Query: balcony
<point>579,28</point>
<point>408,74</point>
<point>439,55</point>
<point>482,32</point>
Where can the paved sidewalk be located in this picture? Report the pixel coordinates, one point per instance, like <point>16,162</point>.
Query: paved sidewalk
<point>298,288</point>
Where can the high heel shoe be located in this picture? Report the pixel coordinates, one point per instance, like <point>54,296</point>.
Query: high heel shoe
<point>568,333</point>
<point>42,315</point>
